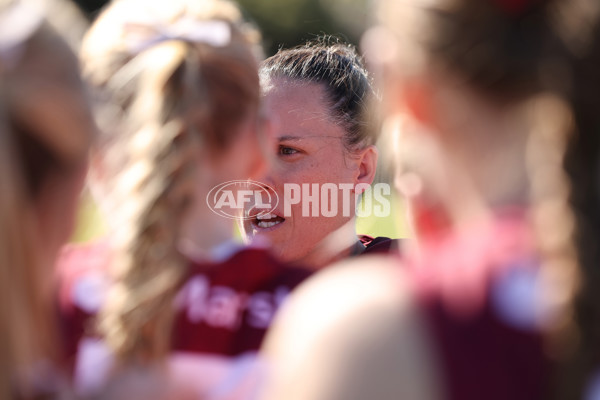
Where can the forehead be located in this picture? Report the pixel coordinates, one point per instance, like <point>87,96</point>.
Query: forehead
<point>300,108</point>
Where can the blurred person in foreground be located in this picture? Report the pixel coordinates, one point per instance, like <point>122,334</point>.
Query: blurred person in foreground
<point>170,289</point>
<point>318,96</point>
<point>497,299</point>
<point>46,127</point>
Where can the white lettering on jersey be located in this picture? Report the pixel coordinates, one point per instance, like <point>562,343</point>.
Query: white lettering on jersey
<point>263,305</point>
<point>223,307</point>
<point>193,297</point>
<point>89,292</point>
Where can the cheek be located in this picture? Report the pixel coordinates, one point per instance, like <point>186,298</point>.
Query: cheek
<point>307,171</point>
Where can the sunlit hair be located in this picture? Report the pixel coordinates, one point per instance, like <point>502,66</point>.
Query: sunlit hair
<point>45,131</point>
<point>175,80</point>
<point>347,84</point>
<point>510,52</point>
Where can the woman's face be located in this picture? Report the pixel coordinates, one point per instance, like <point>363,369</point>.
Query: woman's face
<point>309,149</point>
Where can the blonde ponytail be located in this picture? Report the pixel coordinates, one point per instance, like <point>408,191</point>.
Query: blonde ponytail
<point>175,81</point>
<point>151,196</point>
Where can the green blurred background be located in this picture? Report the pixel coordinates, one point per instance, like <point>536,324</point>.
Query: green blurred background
<point>283,23</point>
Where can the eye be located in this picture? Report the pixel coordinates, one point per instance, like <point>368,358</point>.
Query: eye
<point>287,151</point>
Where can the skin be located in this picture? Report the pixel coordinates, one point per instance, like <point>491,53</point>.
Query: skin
<point>244,159</point>
<point>355,334</point>
<point>309,149</point>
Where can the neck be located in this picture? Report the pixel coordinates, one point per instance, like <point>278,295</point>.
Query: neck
<point>483,149</point>
<point>199,239</point>
<point>328,250</point>
<point>485,159</point>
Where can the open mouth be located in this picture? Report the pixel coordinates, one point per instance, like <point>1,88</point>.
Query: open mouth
<point>266,220</point>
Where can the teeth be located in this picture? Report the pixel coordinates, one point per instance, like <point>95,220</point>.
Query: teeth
<point>265,224</point>
<point>265,216</point>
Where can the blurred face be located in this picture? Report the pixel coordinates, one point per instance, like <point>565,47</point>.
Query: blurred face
<point>57,110</point>
<point>244,158</point>
<point>309,149</point>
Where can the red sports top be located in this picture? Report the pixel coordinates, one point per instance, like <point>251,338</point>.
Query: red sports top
<point>478,292</point>
<point>223,307</point>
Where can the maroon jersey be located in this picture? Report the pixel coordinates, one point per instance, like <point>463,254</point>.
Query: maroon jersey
<point>223,307</point>
<point>479,296</point>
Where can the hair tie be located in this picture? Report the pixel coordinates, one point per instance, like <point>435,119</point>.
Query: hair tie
<point>142,35</point>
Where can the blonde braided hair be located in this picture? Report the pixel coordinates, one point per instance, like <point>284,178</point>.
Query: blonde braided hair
<point>173,101</point>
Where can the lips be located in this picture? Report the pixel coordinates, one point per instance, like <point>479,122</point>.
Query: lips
<point>259,220</point>
<point>267,220</point>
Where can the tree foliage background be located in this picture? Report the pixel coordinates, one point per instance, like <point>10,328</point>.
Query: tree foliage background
<point>287,23</point>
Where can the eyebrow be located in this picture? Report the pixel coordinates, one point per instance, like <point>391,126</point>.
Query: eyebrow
<point>291,138</point>
<point>287,138</point>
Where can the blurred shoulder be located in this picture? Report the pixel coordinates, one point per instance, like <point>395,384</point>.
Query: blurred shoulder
<point>342,291</point>
<point>355,281</point>
<point>354,323</point>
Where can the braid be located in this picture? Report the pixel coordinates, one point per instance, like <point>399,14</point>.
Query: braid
<point>583,168</point>
<point>152,195</point>
<point>158,84</point>
<point>552,215</point>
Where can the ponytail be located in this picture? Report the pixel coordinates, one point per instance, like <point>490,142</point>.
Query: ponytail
<point>151,197</point>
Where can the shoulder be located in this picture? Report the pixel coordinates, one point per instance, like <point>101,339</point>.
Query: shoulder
<point>340,295</point>
<point>353,322</point>
<point>352,282</point>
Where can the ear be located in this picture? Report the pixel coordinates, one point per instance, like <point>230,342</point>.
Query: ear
<point>367,165</point>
